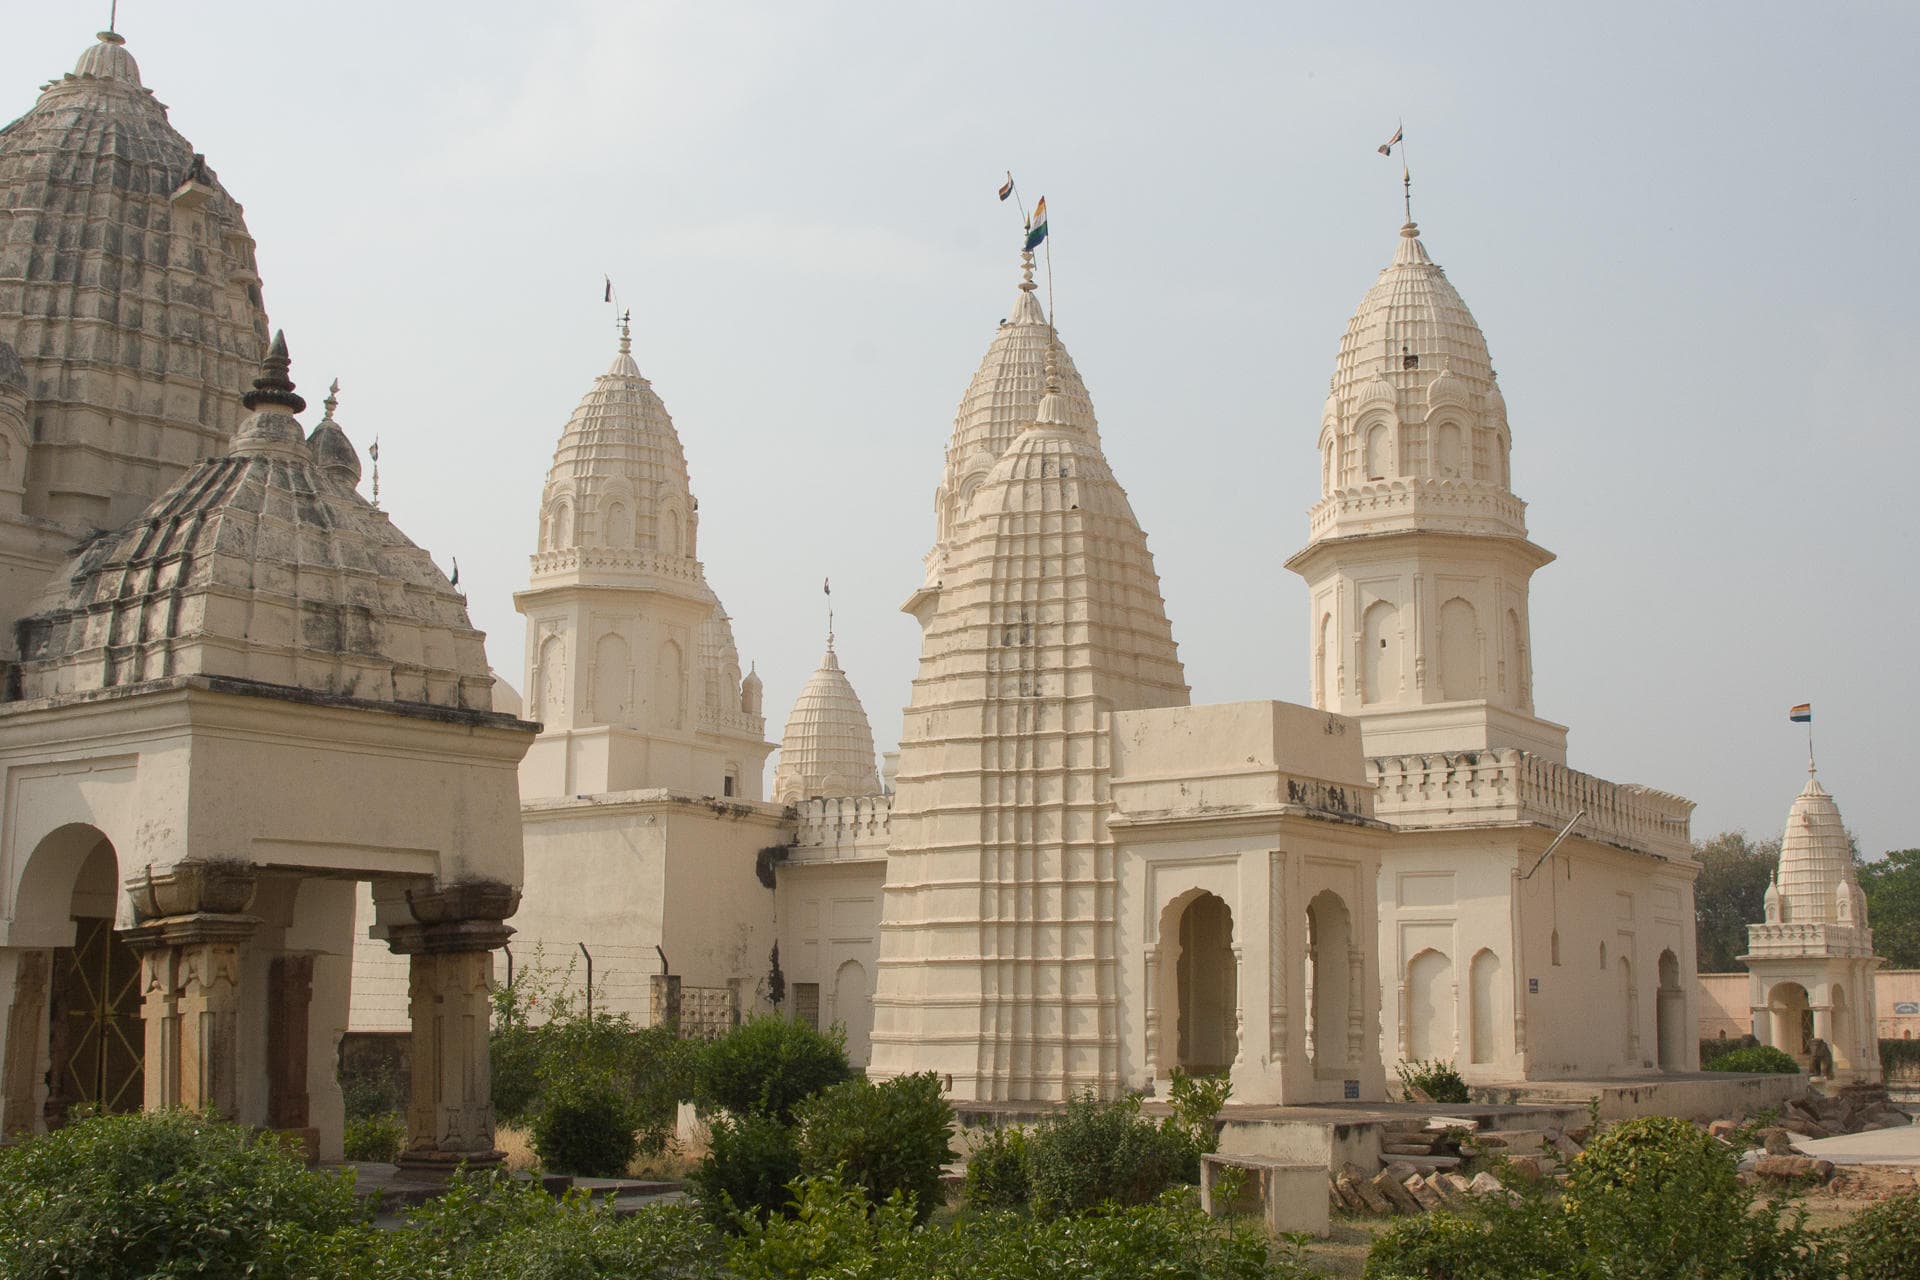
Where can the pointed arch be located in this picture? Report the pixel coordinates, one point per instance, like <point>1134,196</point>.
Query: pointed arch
<point>612,680</point>
<point>1379,452</point>
<point>1430,1007</point>
<point>670,678</point>
<point>1449,453</point>
<point>548,696</point>
<point>618,525</point>
<point>1487,1007</point>
<point>1326,664</point>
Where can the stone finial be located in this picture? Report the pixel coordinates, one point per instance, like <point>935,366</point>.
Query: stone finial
<point>1026,271</point>
<point>331,403</point>
<point>273,386</point>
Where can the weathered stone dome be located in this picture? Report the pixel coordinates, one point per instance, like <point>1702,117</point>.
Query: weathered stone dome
<point>12,373</point>
<point>827,749</point>
<point>256,567</point>
<point>128,288</point>
<point>332,451</point>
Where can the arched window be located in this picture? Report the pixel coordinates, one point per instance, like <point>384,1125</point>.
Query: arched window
<point>1449,463</point>
<point>1380,640</point>
<point>1329,986</point>
<point>1379,451</point>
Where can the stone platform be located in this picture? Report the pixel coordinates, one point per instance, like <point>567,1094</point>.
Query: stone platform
<point>1331,1135</point>
<point>1695,1095</point>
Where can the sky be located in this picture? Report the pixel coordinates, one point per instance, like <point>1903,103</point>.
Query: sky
<point>1683,229</point>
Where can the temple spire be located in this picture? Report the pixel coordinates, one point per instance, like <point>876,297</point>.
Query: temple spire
<point>273,386</point>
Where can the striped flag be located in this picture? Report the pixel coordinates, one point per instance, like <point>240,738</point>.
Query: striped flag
<point>1008,189</point>
<point>1802,714</point>
<point>1386,148</point>
<point>1037,229</point>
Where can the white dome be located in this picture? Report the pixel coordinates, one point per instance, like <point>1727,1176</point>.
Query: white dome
<point>1816,861</point>
<point>827,749</point>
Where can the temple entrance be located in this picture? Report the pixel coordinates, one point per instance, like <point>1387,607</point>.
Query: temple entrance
<point>1206,987</point>
<point>1329,982</point>
<point>96,1038</point>
<point>1790,1020</point>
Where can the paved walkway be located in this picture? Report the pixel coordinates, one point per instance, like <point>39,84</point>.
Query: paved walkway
<point>1880,1146</point>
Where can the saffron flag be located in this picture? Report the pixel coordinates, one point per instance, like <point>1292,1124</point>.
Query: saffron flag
<point>1386,148</point>
<point>1802,714</point>
<point>1037,230</point>
<point>1008,189</point>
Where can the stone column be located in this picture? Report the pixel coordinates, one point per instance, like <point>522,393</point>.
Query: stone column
<point>289,998</point>
<point>450,942</point>
<point>25,1037</point>
<point>190,931</point>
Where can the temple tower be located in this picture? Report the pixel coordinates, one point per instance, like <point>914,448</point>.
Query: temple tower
<point>1418,560</point>
<point>631,664</point>
<point>1041,618</point>
<point>1811,962</point>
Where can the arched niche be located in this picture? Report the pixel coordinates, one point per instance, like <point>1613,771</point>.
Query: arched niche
<point>670,679</point>
<point>612,680</point>
<point>1459,651</point>
<point>853,1010</point>
<point>1378,455</point>
<point>1487,1000</point>
<point>1671,1027</point>
<point>1380,646</point>
<point>1430,1011</point>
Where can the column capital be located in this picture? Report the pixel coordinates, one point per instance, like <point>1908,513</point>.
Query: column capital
<point>190,930</point>
<point>191,888</point>
<point>467,916</point>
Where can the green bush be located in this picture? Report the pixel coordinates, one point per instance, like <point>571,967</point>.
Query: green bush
<point>997,1171</point>
<point>1091,1152</point>
<point>1196,1103</point>
<point>1899,1053</point>
<point>1883,1241</point>
<point>1720,1047</point>
<point>833,1232</point>
<point>883,1138</point>
<point>1759,1057</point>
<point>1438,1080</point>
<point>163,1194</point>
<point>1501,1241</point>
<point>749,1162</point>
<point>585,1126</point>
<point>1657,1197</point>
<point>379,1138</point>
<point>767,1066</point>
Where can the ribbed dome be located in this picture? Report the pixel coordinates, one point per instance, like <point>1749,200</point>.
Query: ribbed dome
<point>1816,862</point>
<point>827,749</point>
<point>1001,400</point>
<point>128,288</point>
<point>1412,310</point>
<point>255,567</point>
<point>12,374</point>
<point>619,477</point>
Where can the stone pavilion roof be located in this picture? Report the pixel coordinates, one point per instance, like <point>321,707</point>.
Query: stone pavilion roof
<point>266,565</point>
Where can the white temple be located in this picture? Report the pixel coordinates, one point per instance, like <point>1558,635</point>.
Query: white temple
<point>1810,963</point>
<point>236,692</point>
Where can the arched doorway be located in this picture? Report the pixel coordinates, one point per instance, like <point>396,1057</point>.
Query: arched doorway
<point>853,1010</point>
<point>95,1040</point>
<point>1672,1026</point>
<point>1328,984</point>
<point>1206,987</point>
<point>1790,1020</point>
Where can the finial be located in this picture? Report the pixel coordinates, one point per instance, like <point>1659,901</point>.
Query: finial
<point>273,386</point>
<point>626,333</point>
<point>1026,271</point>
<point>331,402</point>
<point>1053,362</point>
<point>113,22</point>
<point>1406,187</point>
<point>373,455</point>
<point>826,586</point>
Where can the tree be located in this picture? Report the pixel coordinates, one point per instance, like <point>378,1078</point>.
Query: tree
<point>1892,885</point>
<point>1730,895</point>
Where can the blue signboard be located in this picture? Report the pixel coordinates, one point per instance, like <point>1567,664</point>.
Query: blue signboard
<point>1906,1006</point>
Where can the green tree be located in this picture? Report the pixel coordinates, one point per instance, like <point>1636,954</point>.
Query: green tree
<point>1730,895</point>
<point>1892,885</point>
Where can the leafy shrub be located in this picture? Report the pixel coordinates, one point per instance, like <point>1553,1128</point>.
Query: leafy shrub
<point>585,1126</point>
<point>1525,1240</point>
<point>1882,1242</point>
<point>1438,1080</point>
<point>380,1138</point>
<point>767,1065</point>
<point>749,1162</point>
<point>1196,1103</point>
<point>1760,1057</point>
<point>1091,1152</point>
<point>883,1138</point>
<point>997,1171</point>
<point>163,1194</point>
<point>1657,1197</point>
<point>833,1233</point>
<point>1899,1053</point>
<point>1721,1046</point>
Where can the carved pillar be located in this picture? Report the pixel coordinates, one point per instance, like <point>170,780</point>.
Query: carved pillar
<point>1152,994</point>
<point>289,1001</point>
<point>449,943</point>
<point>19,1074</point>
<point>1277,966</point>
<point>1356,1008</point>
<point>190,931</point>
<point>1239,1009</point>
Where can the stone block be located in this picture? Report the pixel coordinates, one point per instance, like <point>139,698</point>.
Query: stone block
<point>1485,1184</point>
<point>1376,1200</point>
<point>1423,1195</point>
<point>1793,1168</point>
<point>1394,1192</point>
<point>1458,1188</point>
<point>1723,1129</point>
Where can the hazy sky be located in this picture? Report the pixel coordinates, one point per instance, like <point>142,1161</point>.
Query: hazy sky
<point>1684,229</point>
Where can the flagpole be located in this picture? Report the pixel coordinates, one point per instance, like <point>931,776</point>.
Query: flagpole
<point>1406,173</point>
